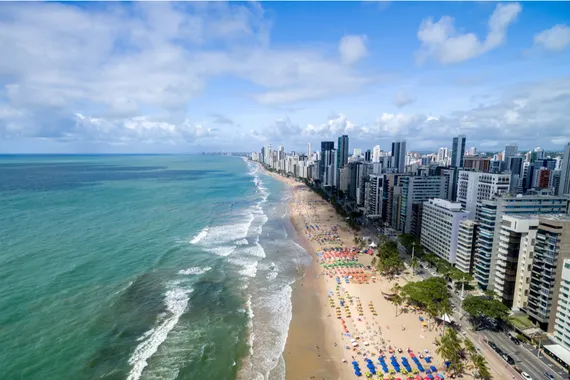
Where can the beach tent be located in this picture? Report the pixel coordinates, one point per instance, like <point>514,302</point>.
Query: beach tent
<point>373,245</point>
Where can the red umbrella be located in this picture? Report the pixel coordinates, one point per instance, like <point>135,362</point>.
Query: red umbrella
<point>418,377</point>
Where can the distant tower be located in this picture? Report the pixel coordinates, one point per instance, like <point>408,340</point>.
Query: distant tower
<point>309,151</point>
<point>342,152</point>
<point>458,151</point>
<point>564,186</point>
<point>399,156</point>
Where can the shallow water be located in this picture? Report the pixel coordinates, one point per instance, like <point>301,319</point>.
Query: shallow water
<point>143,267</point>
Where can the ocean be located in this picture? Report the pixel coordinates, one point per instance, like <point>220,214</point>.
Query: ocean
<point>144,267</point>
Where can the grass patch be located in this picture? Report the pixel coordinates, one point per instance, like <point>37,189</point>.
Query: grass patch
<point>521,322</point>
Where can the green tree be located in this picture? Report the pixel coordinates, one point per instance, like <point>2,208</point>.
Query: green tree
<point>482,306</point>
<point>481,367</point>
<point>414,264</point>
<point>450,349</point>
<point>460,277</point>
<point>389,262</point>
<point>431,294</point>
<point>397,300</point>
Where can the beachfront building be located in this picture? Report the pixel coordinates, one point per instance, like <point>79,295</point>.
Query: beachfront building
<point>466,244</point>
<point>374,196</point>
<point>562,318</point>
<point>440,227</point>
<point>474,187</point>
<point>418,189</point>
<point>552,247</point>
<point>489,217</point>
<point>515,230</point>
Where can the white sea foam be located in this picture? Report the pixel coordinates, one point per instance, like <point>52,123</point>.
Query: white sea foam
<point>200,236</point>
<point>194,270</point>
<point>222,250</point>
<point>242,242</point>
<point>249,270</point>
<point>250,324</point>
<point>272,275</point>
<point>176,300</point>
<point>248,266</point>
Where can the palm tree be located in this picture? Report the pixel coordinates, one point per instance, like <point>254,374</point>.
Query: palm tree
<point>396,288</point>
<point>397,300</point>
<point>481,365</point>
<point>470,347</point>
<point>449,348</point>
<point>414,264</point>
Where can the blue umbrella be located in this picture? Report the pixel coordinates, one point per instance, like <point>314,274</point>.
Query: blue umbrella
<point>355,362</point>
<point>373,371</point>
<point>370,365</point>
<point>433,368</point>
<point>357,373</point>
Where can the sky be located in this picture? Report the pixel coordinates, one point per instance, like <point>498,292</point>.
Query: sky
<point>183,77</point>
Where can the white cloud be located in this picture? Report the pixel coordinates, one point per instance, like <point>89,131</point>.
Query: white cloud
<point>352,49</point>
<point>402,99</point>
<point>440,41</point>
<point>531,114</point>
<point>556,38</point>
<point>120,61</point>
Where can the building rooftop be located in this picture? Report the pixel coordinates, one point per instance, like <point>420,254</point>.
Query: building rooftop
<point>443,203</point>
<point>556,217</point>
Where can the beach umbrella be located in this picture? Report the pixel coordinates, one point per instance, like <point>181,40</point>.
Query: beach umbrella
<point>433,368</point>
<point>355,363</point>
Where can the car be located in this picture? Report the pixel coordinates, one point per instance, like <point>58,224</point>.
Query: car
<point>526,376</point>
<point>492,345</point>
<point>508,359</point>
<point>514,339</point>
<point>549,375</point>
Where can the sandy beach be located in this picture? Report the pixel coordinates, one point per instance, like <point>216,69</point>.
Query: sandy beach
<point>366,323</point>
<point>340,315</point>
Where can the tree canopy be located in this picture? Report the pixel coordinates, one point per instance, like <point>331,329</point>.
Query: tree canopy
<point>389,261</point>
<point>483,306</point>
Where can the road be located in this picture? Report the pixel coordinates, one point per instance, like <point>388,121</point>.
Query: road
<point>523,357</point>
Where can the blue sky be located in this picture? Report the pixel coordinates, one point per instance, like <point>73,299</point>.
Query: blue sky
<point>188,77</point>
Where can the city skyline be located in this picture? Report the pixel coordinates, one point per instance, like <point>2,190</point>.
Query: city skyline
<point>187,78</point>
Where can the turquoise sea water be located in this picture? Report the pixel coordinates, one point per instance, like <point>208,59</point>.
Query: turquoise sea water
<point>143,267</point>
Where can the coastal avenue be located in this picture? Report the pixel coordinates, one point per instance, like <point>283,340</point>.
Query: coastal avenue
<point>526,360</point>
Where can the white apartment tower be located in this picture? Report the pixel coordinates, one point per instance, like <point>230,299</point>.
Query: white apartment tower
<point>440,227</point>
<point>466,245</point>
<point>475,187</point>
<point>376,154</point>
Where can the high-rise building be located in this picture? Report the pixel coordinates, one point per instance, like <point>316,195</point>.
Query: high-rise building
<point>324,159</point>
<point>458,151</point>
<point>511,150</point>
<point>368,155</point>
<point>418,189</point>
<point>479,164</point>
<point>466,245</point>
<point>440,227</point>
<point>562,313</point>
<point>309,151</point>
<point>474,187</point>
<point>490,216</point>
<point>472,151</point>
<point>374,209</point>
<point>399,156</point>
<point>376,153</point>
<point>564,186</point>
<point>515,230</point>
<point>552,247</point>
<point>442,154</point>
<point>342,152</point>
